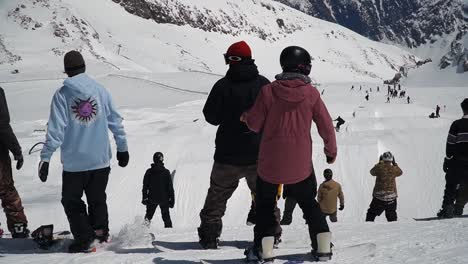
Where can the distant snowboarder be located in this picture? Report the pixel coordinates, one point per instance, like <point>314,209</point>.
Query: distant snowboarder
<point>408,99</point>
<point>352,87</point>
<point>340,121</point>
<point>385,191</point>
<point>291,97</point>
<point>399,87</point>
<point>328,194</point>
<point>360,88</point>
<point>236,152</point>
<point>437,111</point>
<point>158,191</point>
<point>432,115</point>
<point>378,89</point>
<point>367,97</point>
<point>388,99</point>
<point>81,114</point>
<point>17,222</point>
<point>455,163</point>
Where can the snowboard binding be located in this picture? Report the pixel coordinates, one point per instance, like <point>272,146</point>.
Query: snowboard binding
<point>44,236</point>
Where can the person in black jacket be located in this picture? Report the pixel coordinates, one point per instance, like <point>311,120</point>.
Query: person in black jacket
<point>11,201</point>
<point>158,190</point>
<point>455,163</point>
<point>237,147</point>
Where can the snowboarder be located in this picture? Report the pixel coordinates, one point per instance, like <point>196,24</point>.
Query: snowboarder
<point>456,162</point>
<point>437,111</point>
<point>340,121</point>
<point>367,97</point>
<point>399,87</point>
<point>286,151</point>
<point>388,99</point>
<point>236,152</point>
<point>81,114</point>
<point>17,222</point>
<point>385,191</point>
<point>328,194</point>
<point>158,190</point>
<point>408,99</point>
<point>378,89</point>
<point>432,115</point>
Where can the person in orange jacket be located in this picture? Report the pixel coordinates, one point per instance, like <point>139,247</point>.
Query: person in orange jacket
<point>328,194</point>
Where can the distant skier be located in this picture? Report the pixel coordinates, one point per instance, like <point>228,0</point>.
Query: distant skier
<point>286,151</point>
<point>158,190</point>
<point>378,89</point>
<point>388,99</point>
<point>385,190</point>
<point>352,87</point>
<point>399,87</point>
<point>81,114</point>
<point>437,111</point>
<point>367,97</point>
<point>360,88</point>
<point>389,91</point>
<point>17,222</point>
<point>408,99</point>
<point>236,152</point>
<point>328,194</point>
<point>354,114</point>
<point>340,121</point>
<point>456,162</point>
<point>370,89</point>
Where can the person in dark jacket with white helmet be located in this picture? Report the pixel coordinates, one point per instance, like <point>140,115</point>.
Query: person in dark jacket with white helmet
<point>158,190</point>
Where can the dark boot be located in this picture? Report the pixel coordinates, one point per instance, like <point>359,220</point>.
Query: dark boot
<point>81,246</point>
<point>446,212</point>
<point>209,236</point>
<point>20,230</point>
<point>458,211</point>
<point>101,235</point>
<point>251,218</point>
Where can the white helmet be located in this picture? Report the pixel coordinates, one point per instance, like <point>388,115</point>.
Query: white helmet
<point>387,156</point>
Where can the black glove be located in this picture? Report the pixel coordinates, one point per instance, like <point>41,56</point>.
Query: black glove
<point>19,161</point>
<point>341,207</point>
<point>446,165</point>
<point>43,170</point>
<point>330,160</point>
<point>123,158</point>
<point>144,201</point>
<point>171,203</point>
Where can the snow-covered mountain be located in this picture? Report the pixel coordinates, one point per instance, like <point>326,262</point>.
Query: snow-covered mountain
<point>162,35</point>
<point>416,23</point>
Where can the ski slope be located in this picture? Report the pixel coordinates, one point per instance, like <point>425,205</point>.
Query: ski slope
<point>163,112</point>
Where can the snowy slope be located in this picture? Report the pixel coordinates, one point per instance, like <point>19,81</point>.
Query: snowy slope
<point>106,32</point>
<point>161,118</point>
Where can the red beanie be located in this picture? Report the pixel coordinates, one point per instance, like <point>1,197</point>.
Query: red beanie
<point>240,49</point>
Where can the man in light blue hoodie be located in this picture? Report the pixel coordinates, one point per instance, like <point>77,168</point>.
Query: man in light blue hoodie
<point>81,114</point>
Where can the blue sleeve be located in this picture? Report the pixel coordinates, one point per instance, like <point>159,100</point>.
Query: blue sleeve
<point>56,126</point>
<point>115,125</point>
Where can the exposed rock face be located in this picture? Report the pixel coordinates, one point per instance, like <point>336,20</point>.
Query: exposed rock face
<point>408,22</point>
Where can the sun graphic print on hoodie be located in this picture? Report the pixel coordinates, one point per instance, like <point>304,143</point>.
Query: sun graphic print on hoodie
<point>85,111</point>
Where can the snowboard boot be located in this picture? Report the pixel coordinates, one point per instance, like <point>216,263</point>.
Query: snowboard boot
<point>208,239</point>
<point>20,230</point>
<point>168,225</point>
<point>324,247</point>
<point>263,254</point>
<point>101,235</point>
<point>446,212</point>
<point>81,246</point>
<point>457,211</point>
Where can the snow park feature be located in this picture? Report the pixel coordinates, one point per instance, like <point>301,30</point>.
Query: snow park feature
<point>160,73</point>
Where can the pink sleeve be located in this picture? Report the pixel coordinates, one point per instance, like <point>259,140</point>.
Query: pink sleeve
<point>255,117</point>
<point>325,128</point>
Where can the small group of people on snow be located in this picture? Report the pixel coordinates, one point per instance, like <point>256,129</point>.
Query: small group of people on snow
<point>263,136</point>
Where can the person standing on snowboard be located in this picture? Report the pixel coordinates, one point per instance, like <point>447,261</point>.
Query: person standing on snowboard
<point>328,194</point>
<point>17,222</point>
<point>284,112</point>
<point>158,190</point>
<point>81,114</point>
<point>236,151</point>
<point>385,190</point>
<point>456,165</point>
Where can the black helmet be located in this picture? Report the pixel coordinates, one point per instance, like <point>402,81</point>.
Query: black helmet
<point>328,173</point>
<point>158,157</point>
<point>464,105</point>
<point>295,59</point>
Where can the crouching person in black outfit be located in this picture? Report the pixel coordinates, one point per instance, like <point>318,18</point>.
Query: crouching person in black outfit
<point>158,190</point>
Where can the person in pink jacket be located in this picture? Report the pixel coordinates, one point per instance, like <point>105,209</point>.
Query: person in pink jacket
<point>284,111</point>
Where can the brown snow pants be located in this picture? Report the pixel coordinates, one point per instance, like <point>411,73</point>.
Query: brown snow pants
<point>11,202</point>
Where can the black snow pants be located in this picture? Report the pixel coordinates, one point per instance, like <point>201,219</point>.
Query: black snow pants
<point>377,207</point>
<point>289,206</point>
<point>84,222</point>
<point>456,181</point>
<point>166,217</point>
<point>304,192</point>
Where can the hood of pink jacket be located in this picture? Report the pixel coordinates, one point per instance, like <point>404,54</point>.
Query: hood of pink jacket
<point>289,90</point>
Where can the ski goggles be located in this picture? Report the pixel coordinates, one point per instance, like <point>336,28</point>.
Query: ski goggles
<point>232,58</point>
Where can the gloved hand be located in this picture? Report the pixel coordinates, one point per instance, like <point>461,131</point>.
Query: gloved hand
<point>331,160</point>
<point>19,161</point>
<point>446,165</point>
<point>123,158</point>
<point>144,201</point>
<point>171,202</point>
<point>341,207</point>
<point>43,170</point>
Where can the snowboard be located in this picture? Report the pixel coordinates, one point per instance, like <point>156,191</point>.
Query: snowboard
<point>438,218</point>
